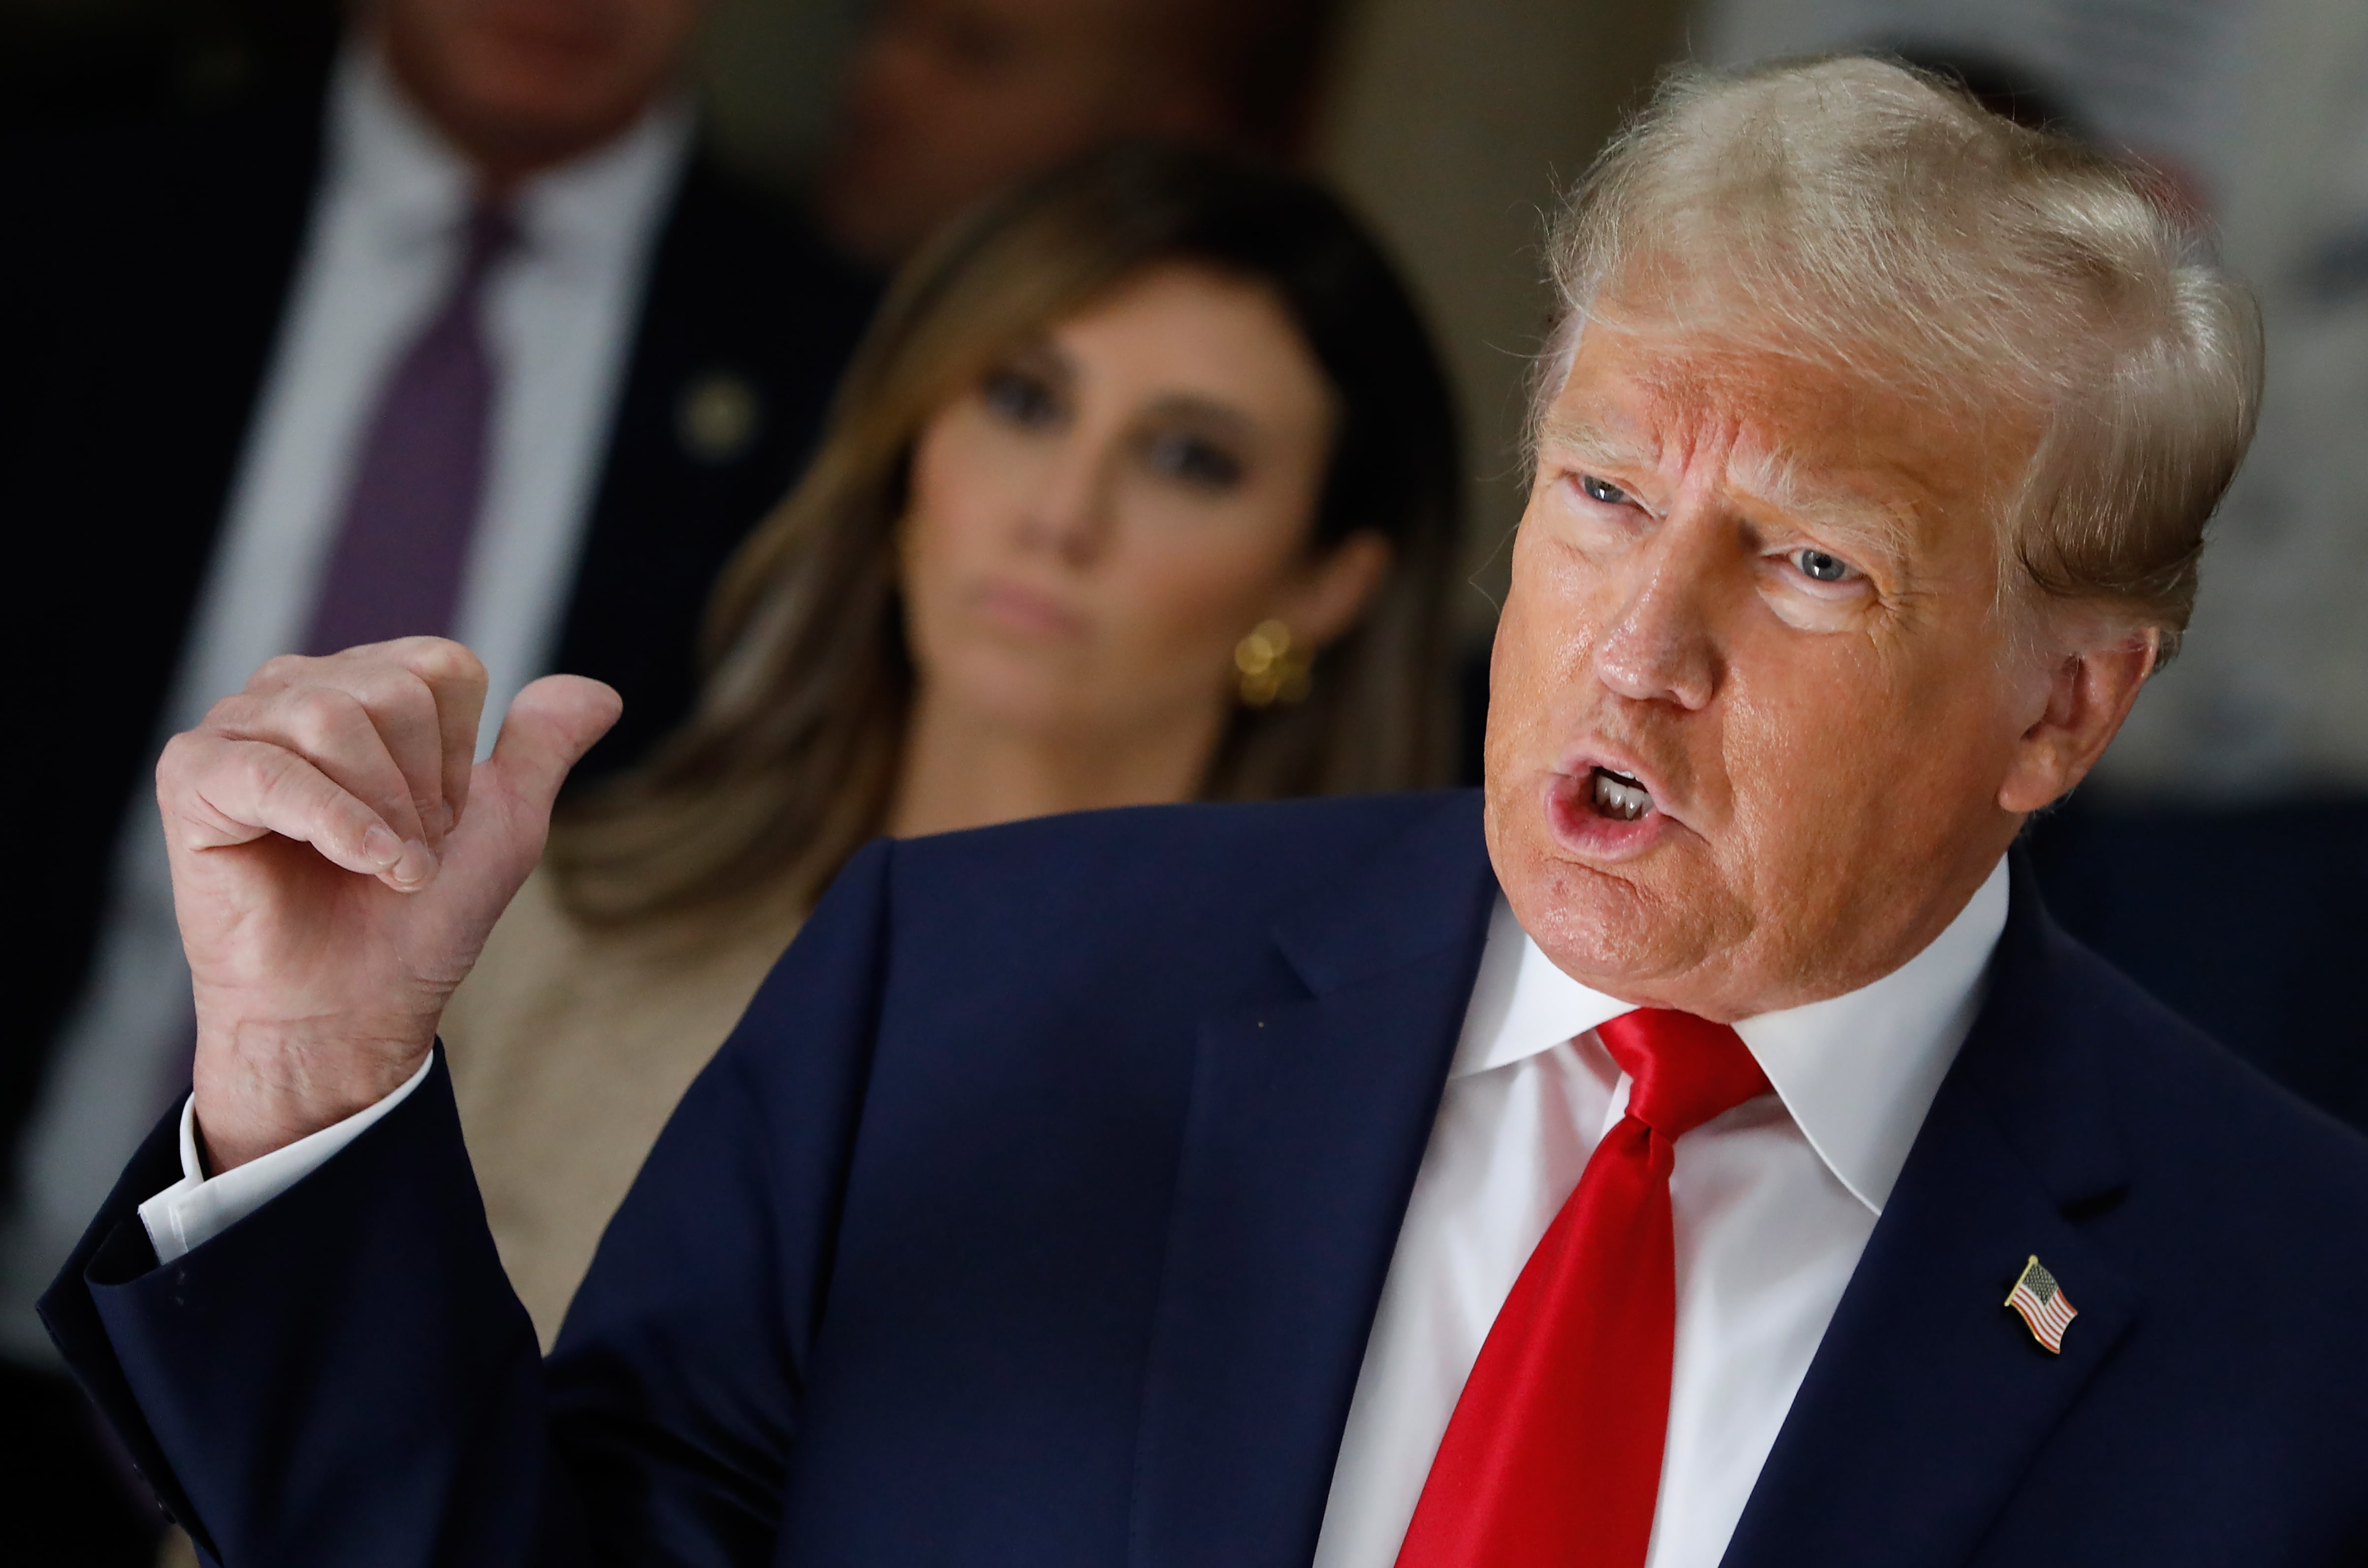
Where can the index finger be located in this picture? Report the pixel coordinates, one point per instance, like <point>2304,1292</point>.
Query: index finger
<point>456,679</point>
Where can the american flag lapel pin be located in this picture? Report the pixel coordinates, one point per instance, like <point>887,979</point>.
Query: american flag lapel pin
<point>2042,1304</point>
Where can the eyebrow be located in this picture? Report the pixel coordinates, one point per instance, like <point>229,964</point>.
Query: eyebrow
<point>1046,353</point>
<point>1042,352</point>
<point>1858,526</point>
<point>1587,441</point>
<point>1770,478</point>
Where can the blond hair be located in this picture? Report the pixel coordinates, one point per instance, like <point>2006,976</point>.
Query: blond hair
<point>1881,221</point>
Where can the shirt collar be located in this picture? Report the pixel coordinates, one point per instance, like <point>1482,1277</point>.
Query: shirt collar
<point>595,211</point>
<point>1856,1071</point>
<point>414,188</point>
<point>385,157</point>
<point>1521,1003</point>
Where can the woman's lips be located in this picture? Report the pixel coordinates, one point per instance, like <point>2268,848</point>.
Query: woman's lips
<point>1026,611</point>
<point>1587,815</point>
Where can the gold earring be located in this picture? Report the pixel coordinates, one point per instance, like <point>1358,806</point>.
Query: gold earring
<point>1267,669</point>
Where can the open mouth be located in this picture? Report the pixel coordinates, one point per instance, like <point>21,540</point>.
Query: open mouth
<point>1617,796</point>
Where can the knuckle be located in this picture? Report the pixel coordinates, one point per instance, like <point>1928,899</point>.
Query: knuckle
<point>174,762</point>
<point>316,715</point>
<point>279,670</point>
<point>230,713</point>
<point>398,695</point>
<point>374,686</point>
<point>441,659</point>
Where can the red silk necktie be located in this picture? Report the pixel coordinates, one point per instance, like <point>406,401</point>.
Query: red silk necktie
<point>1554,1454</point>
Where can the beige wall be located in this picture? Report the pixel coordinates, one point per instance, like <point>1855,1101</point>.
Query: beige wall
<point>1451,124</point>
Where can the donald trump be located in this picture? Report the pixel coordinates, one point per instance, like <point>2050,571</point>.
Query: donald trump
<point>1697,1147</point>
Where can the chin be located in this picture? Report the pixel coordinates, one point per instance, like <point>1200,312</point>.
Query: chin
<point>545,105</point>
<point>1015,693</point>
<point>1623,927</point>
<point>1598,926</point>
<point>544,85</point>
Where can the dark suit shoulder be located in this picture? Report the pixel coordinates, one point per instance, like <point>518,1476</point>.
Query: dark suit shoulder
<point>740,268</point>
<point>2244,1214</point>
<point>1084,927</point>
<point>1227,862</point>
<point>752,229</point>
<point>2183,1095</point>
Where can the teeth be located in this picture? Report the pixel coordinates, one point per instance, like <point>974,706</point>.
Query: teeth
<point>1620,797</point>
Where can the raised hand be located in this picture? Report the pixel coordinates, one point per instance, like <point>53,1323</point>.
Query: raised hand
<point>338,864</point>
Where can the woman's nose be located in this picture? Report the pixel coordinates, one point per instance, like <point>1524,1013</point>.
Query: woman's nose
<point>1072,510</point>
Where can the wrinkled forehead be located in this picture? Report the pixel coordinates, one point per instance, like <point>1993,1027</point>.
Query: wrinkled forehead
<point>1806,428</point>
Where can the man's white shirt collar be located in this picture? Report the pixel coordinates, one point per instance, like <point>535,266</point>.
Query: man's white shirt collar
<point>1856,1071</point>
<point>414,187</point>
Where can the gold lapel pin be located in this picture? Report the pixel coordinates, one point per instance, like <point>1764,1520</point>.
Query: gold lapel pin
<point>2045,1308</point>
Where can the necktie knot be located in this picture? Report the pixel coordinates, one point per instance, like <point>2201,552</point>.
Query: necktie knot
<point>1683,1071</point>
<point>1553,1458</point>
<point>491,234</point>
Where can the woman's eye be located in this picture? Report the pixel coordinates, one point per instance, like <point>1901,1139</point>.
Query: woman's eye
<point>1194,459</point>
<point>1818,566</point>
<point>1022,399</point>
<point>1601,490</point>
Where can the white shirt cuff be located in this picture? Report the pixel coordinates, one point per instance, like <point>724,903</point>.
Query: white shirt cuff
<point>197,1209</point>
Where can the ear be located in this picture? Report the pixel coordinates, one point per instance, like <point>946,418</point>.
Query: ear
<point>1324,600</point>
<point>2087,695</point>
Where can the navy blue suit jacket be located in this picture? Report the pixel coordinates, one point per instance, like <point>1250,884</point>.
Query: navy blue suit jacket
<point>1037,1214</point>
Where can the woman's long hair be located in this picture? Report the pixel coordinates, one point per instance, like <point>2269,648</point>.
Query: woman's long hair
<point>789,762</point>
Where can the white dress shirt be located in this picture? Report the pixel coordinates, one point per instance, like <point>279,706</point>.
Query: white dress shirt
<point>382,244</point>
<point>1773,1202</point>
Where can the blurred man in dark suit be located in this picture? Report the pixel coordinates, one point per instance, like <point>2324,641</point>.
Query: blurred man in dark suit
<point>464,336</point>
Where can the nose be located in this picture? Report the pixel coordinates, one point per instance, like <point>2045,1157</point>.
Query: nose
<point>1071,512</point>
<point>1661,646</point>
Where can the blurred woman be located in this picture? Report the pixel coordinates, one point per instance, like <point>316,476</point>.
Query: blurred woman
<point>1143,488</point>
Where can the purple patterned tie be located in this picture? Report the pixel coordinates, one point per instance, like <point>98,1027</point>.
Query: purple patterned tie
<point>420,473</point>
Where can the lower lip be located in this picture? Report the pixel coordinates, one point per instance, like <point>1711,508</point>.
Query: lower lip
<point>1016,609</point>
<point>1582,830</point>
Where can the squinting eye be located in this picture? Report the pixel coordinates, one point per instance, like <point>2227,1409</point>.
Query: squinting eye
<point>1021,398</point>
<point>1820,567</point>
<point>1599,490</point>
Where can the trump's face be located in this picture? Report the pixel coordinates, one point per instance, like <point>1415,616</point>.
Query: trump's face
<point>1757,725</point>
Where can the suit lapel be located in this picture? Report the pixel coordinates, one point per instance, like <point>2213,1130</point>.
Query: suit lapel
<point>1309,1119</point>
<point>1928,1400</point>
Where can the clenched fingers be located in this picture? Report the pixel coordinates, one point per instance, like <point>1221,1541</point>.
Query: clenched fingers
<point>220,791</point>
<point>421,697</point>
<point>387,759</point>
<point>457,679</point>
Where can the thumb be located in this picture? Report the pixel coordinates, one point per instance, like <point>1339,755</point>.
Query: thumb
<point>549,728</point>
